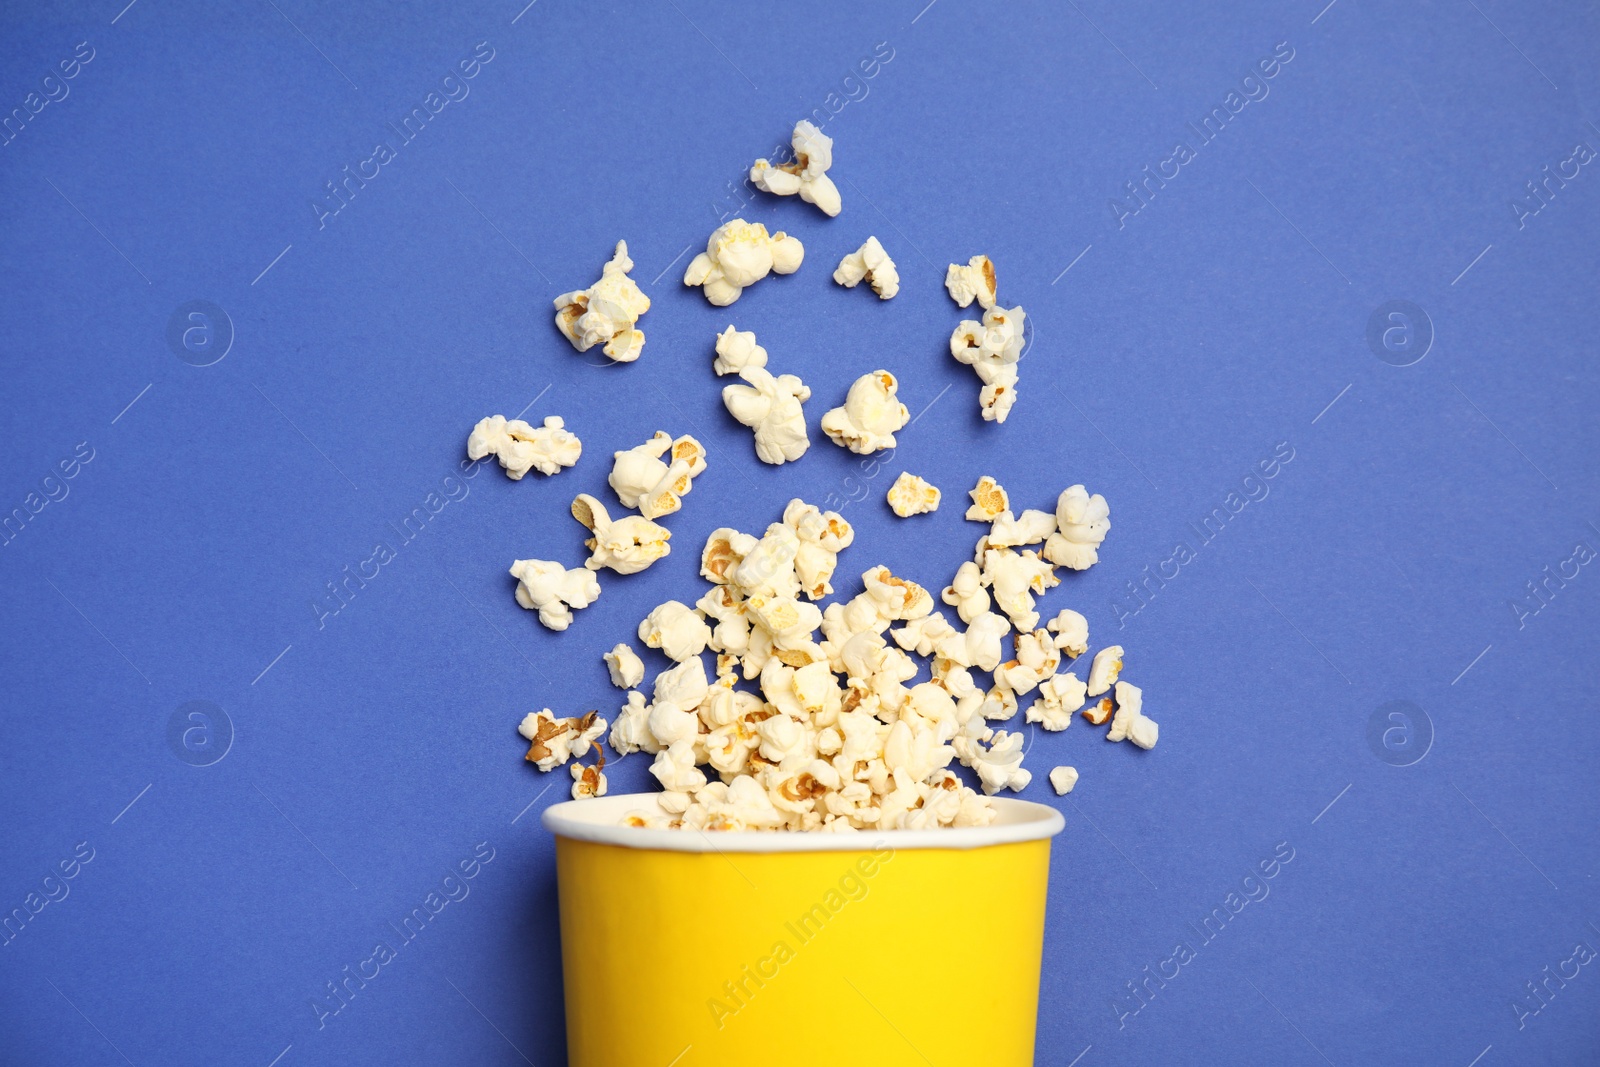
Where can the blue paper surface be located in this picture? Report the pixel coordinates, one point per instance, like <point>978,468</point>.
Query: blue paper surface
<point>1378,661</point>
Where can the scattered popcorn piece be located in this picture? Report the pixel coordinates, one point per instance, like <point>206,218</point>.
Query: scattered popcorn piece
<point>739,254</point>
<point>736,350</point>
<point>771,407</point>
<point>555,741</point>
<point>1032,529</point>
<point>1059,695</point>
<point>975,281</point>
<point>872,264</point>
<point>1098,712</point>
<point>1000,765</point>
<point>1014,577</point>
<point>676,630</point>
<point>1104,670</point>
<point>1082,522</point>
<point>606,312</point>
<point>554,591</point>
<point>1062,779</point>
<point>1072,632</point>
<point>966,592</point>
<point>1130,722</point>
<point>807,175</point>
<point>992,348</point>
<point>643,480</point>
<point>822,536</point>
<point>870,415</point>
<point>624,666</point>
<point>989,500</point>
<point>910,495</point>
<point>520,447</point>
<point>627,545</point>
<point>588,782</point>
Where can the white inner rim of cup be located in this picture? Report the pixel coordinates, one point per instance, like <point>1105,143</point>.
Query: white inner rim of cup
<point>600,820</point>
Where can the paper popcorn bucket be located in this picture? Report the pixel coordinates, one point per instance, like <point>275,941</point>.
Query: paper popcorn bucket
<point>689,949</point>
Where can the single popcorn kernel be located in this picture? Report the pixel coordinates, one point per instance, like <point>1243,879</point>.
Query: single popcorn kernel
<point>606,312</point>
<point>1062,779</point>
<point>975,281</point>
<point>1098,712</point>
<point>806,175</point>
<point>989,499</point>
<point>738,254</point>
<point>869,263</point>
<point>521,448</point>
<point>910,495</point>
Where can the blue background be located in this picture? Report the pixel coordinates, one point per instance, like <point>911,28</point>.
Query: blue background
<point>373,750</point>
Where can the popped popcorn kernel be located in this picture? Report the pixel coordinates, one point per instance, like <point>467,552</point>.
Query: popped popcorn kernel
<point>1130,722</point>
<point>869,263</point>
<point>554,591</point>
<point>806,175</point>
<point>554,741</point>
<point>1082,522</point>
<point>656,486</point>
<point>975,281</point>
<point>606,312</point>
<point>1062,779</point>
<point>624,666</point>
<point>738,254</point>
<point>910,495</point>
<point>1099,712</point>
<point>870,415</point>
<point>520,447</point>
<point>988,500</point>
<point>771,407</point>
<point>736,350</point>
<point>627,545</point>
<point>1104,670</point>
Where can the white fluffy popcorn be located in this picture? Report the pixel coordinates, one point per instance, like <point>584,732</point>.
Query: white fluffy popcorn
<point>991,348</point>
<point>1000,765</point>
<point>1013,577</point>
<point>869,263</point>
<point>771,407</point>
<point>1082,522</point>
<point>1032,528</point>
<point>736,350</point>
<point>656,486</point>
<point>1104,670</point>
<point>1062,779</point>
<point>1059,696</point>
<point>989,500</point>
<point>739,254</point>
<point>966,592</point>
<point>870,415</point>
<point>975,281</point>
<point>624,666</point>
<point>520,447</point>
<point>627,545</point>
<point>806,175</point>
<point>1130,721</point>
<point>822,535</point>
<point>606,312</point>
<point>555,741</point>
<point>1072,632</point>
<point>677,630</point>
<point>554,591</point>
<point>911,495</point>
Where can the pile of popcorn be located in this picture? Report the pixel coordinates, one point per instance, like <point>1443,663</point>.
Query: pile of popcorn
<point>808,716</point>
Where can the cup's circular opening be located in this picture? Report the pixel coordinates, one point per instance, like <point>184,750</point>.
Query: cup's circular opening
<point>600,820</point>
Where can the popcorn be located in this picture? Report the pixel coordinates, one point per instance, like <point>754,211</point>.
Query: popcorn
<point>871,264</point>
<point>807,175</point>
<point>1000,765</point>
<point>1072,632</point>
<point>979,646</point>
<point>1104,670</point>
<point>870,415</point>
<point>739,254</point>
<point>1062,779</point>
<point>975,281</point>
<point>676,630</point>
<point>989,500</point>
<point>625,667</point>
<point>627,545</point>
<point>966,592</point>
<point>588,782</point>
<point>1014,577</point>
<point>674,768</point>
<point>1082,522</point>
<point>631,732</point>
<point>682,686</point>
<point>1059,695</point>
<point>643,480</point>
<point>1032,529</point>
<point>521,448</point>
<point>554,591</point>
<point>606,312</point>
<point>1098,712</point>
<point>992,349</point>
<point>736,350</point>
<point>910,495</point>
<point>1130,721</point>
<point>555,741</point>
<point>771,407</point>
<point>822,535</point>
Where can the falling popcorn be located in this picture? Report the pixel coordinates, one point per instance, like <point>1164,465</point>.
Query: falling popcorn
<point>520,447</point>
<point>771,407</point>
<point>643,479</point>
<point>554,591</point>
<point>739,254</point>
<point>806,175</point>
<point>1062,779</point>
<point>627,545</point>
<point>606,312</point>
<point>555,741</point>
<point>910,495</point>
<point>975,281</point>
<point>869,263</point>
<point>870,415</point>
<point>589,781</point>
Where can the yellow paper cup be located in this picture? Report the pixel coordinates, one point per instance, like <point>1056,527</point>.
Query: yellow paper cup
<point>689,949</point>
